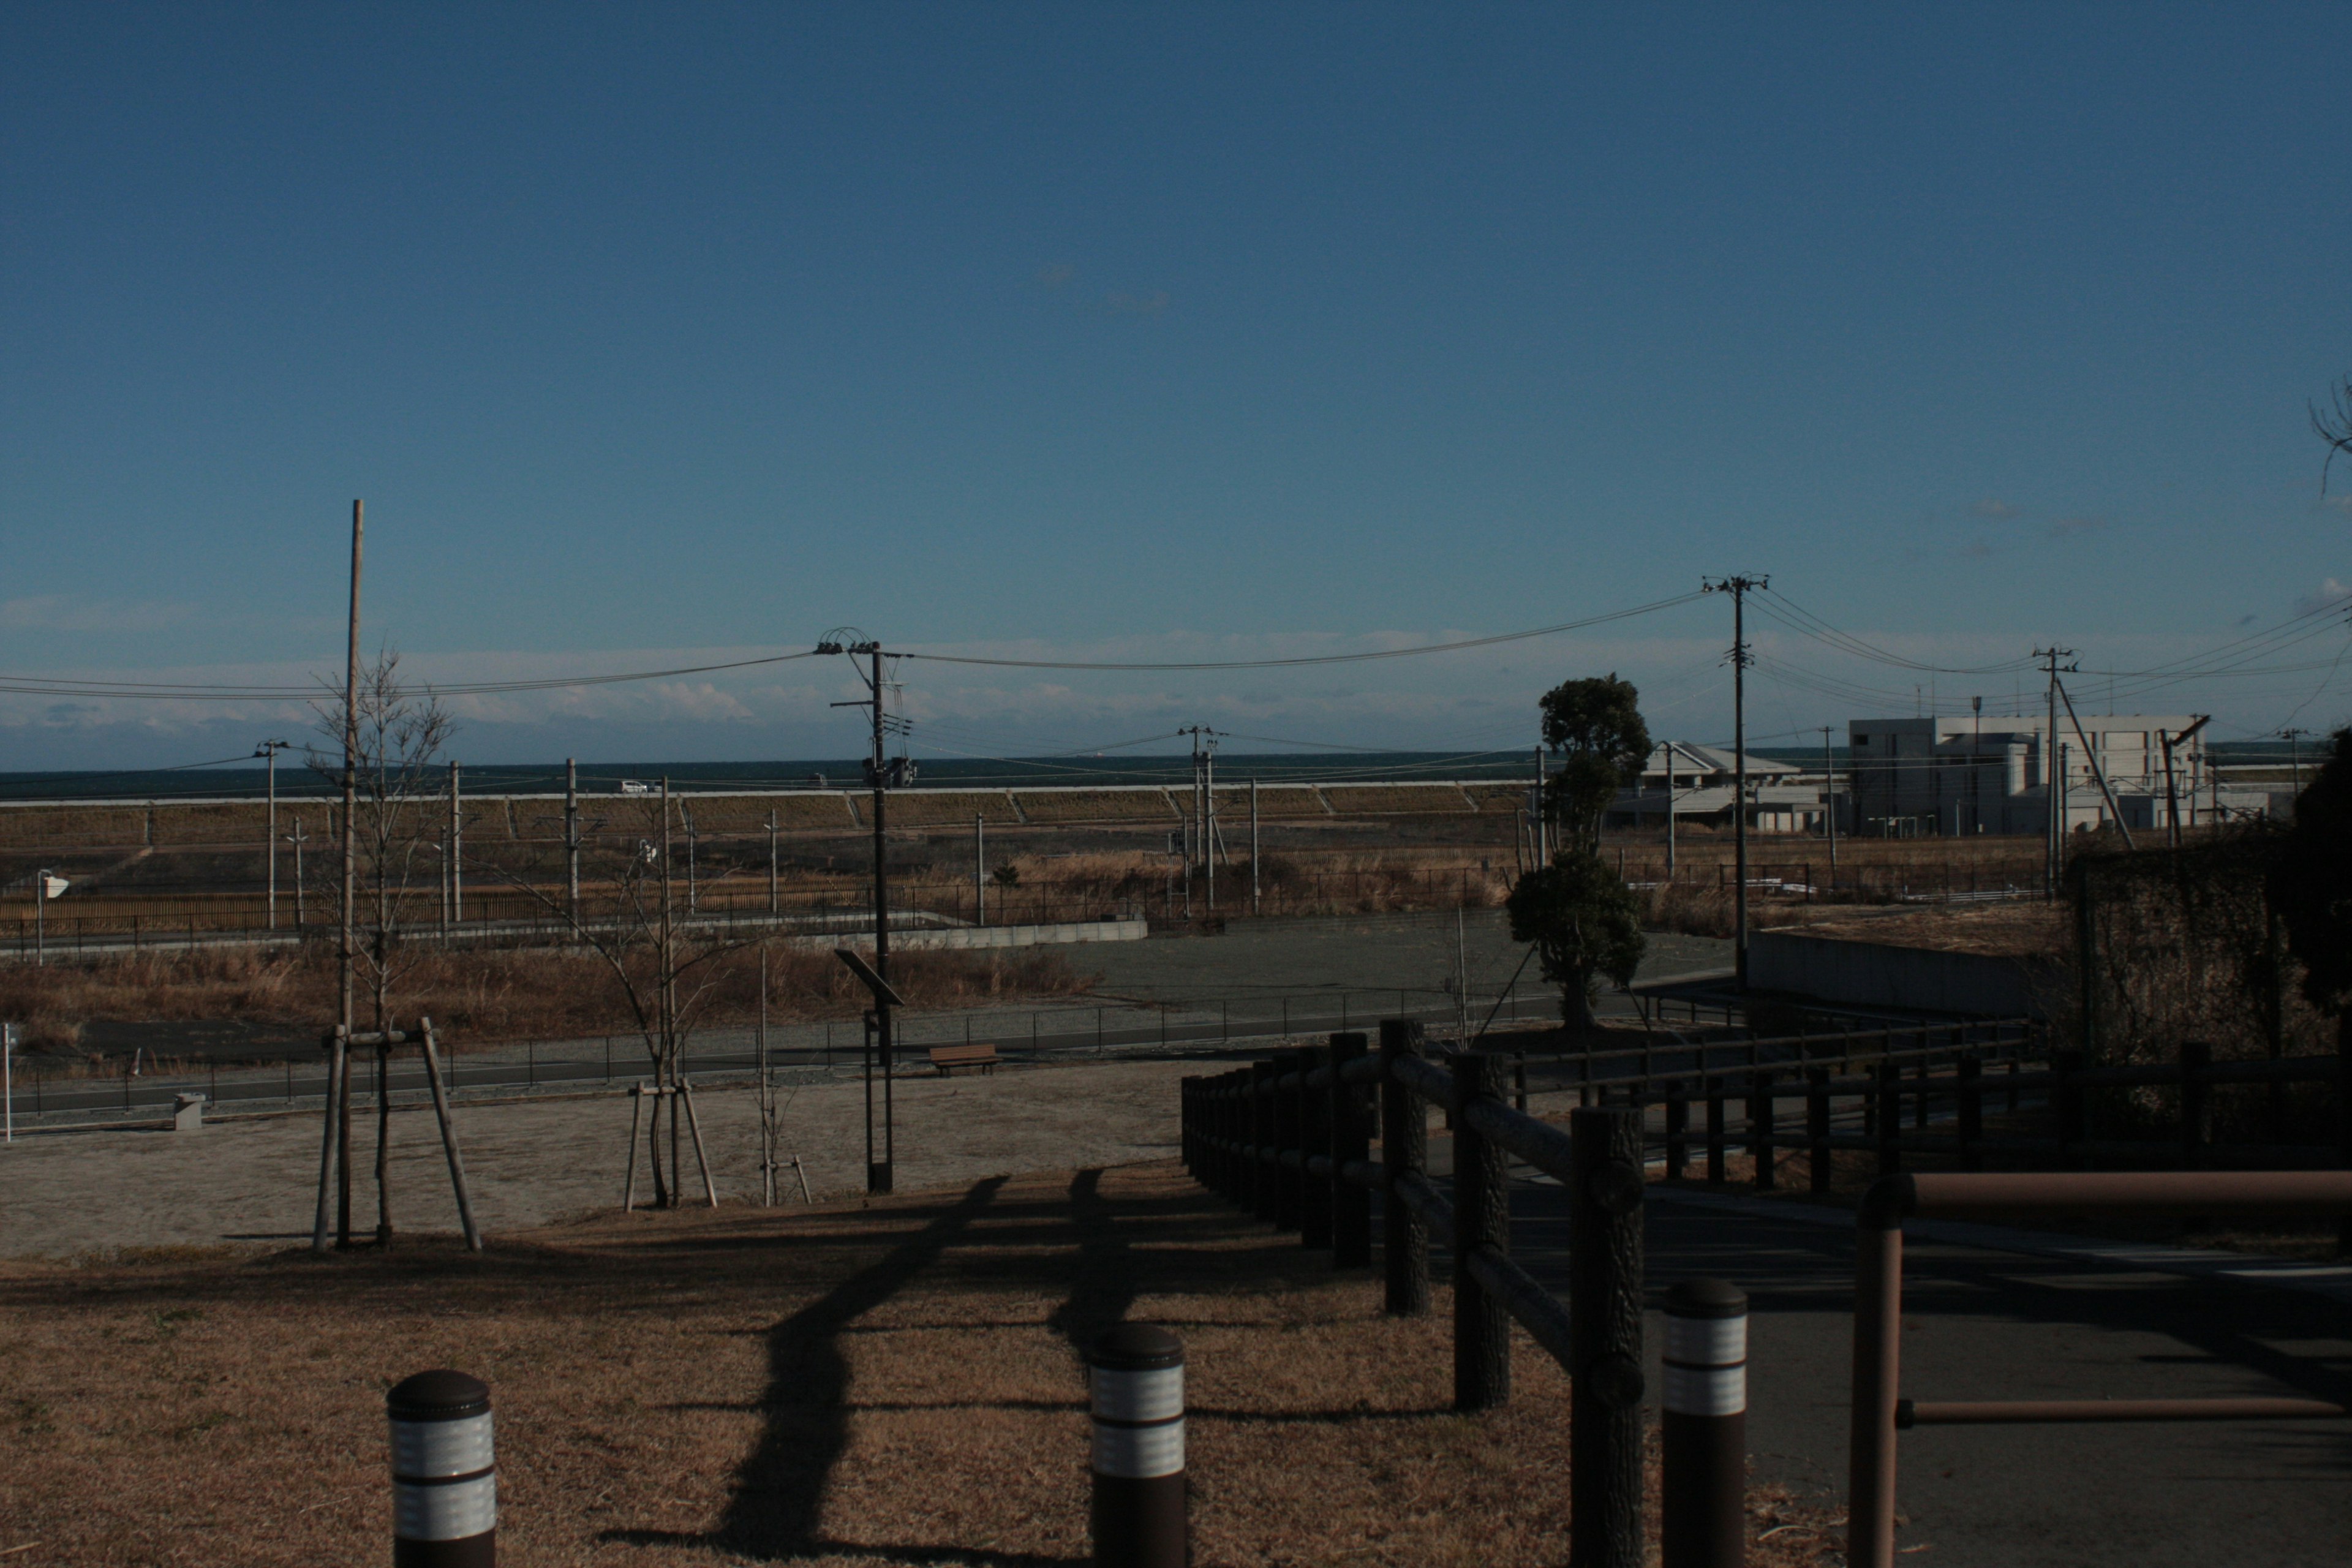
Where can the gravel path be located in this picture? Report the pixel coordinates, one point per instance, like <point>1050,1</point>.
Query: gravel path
<point>254,1182</point>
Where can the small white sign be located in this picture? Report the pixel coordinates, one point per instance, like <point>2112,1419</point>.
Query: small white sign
<point>54,887</point>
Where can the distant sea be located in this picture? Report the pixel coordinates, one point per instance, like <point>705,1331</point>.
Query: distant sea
<point>606,778</point>
<point>960,773</point>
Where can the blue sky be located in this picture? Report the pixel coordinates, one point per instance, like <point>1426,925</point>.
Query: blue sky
<point>653,334</point>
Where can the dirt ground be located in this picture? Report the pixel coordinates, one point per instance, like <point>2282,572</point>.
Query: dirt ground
<point>254,1184</point>
<point>860,1386</point>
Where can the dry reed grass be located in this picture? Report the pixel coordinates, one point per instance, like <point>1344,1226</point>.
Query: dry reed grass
<point>893,1383</point>
<point>481,996</point>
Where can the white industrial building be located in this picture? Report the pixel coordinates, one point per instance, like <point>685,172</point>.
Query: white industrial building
<point>1980,774</point>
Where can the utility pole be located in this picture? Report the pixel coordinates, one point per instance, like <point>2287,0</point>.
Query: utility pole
<point>979,869</point>
<point>877,1171</point>
<point>1253,843</point>
<point>456,878</point>
<point>2293,738</point>
<point>693,901</point>
<point>668,1005</point>
<point>1209,820</point>
<point>1202,828</point>
<point>297,838</point>
<point>1535,827</point>
<point>1829,799</point>
<point>1670,814</point>
<point>2055,846</point>
<point>1738,588</point>
<point>270,749</point>
<point>771,861</point>
<point>572,839</point>
<point>336,1146</point>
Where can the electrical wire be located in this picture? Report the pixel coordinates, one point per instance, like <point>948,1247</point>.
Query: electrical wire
<point>168,692</point>
<point>1316,659</point>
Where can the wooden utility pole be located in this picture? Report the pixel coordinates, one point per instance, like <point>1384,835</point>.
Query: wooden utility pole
<point>1739,588</point>
<point>335,1153</point>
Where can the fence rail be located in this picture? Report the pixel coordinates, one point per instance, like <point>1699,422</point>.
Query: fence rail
<point>1287,1137</point>
<point>1880,1412</point>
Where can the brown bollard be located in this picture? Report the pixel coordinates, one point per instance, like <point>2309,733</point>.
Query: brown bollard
<point>1141,1517</point>
<point>445,1481</point>
<point>1703,1433</point>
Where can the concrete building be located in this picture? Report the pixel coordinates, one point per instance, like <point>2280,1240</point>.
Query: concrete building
<point>1979,774</point>
<point>1782,797</point>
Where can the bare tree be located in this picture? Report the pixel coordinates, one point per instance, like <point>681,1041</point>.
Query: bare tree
<point>2334,425</point>
<point>665,964</point>
<point>401,730</point>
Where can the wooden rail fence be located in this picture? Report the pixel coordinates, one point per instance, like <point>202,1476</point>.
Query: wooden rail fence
<point>1289,1138</point>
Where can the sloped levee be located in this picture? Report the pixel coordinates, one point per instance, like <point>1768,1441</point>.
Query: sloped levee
<point>1906,979</point>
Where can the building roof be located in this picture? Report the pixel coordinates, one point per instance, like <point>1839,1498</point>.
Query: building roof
<point>1690,758</point>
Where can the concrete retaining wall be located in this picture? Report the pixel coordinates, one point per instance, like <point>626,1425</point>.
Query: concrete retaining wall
<point>1907,979</point>
<point>934,939</point>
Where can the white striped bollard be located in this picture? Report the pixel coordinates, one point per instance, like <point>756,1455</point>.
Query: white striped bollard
<point>1140,1517</point>
<point>1702,1437</point>
<point>445,1482</point>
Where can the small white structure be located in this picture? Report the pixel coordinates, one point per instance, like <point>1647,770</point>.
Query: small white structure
<point>1781,796</point>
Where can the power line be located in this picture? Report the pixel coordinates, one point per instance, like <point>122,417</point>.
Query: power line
<point>1317,659</point>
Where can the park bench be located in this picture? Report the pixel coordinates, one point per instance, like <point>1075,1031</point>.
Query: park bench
<point>947,1058</point>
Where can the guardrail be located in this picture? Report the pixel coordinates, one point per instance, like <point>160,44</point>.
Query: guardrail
<point>1290,1137</point>
<point>1879,1410</point>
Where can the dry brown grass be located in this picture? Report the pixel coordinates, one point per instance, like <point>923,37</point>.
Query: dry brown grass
<point>479,996</point>
<point>2023,929</point>
<point>892,1384</point>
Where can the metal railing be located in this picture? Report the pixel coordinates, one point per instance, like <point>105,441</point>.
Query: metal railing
<point>1879,1410</point>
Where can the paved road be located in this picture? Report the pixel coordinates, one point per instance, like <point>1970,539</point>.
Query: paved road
<point>1986,1324</point>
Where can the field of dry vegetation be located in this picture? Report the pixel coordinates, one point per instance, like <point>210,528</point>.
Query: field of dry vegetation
<point>479,996</point>
<point>897,1384</point>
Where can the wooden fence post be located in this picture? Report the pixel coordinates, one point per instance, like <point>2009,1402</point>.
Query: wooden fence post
<point>1604,1313</point>
<point>1265,1174</point>
<point>1890,1117</point>
<point>1289,1128</point>
<point>2074,1113</point>
<point>1817,1128</point>
<point>1314,1138</point>
<point>1352,1206</point>
<point>1714,1132</point>
<point>1404,1150</point>
<point>1482,1220</point>
<point>1677,1130</point>
<point>2195,1103</point>
<point>1971,1112</point>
